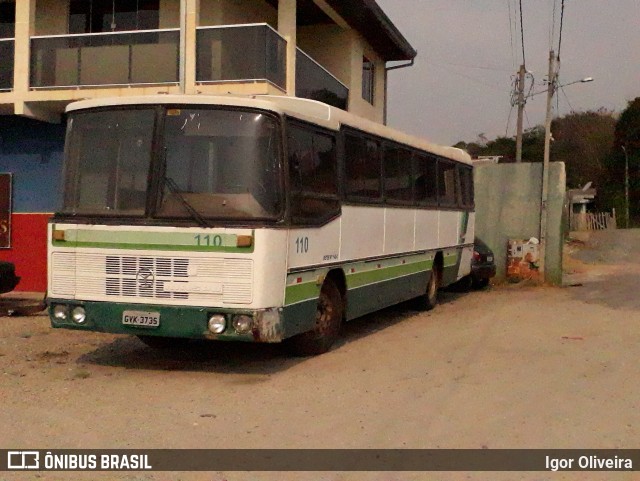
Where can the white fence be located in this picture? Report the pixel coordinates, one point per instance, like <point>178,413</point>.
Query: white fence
<point>594,221</point>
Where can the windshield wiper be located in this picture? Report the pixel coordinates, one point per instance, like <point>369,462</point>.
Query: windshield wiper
<point>175,190</point>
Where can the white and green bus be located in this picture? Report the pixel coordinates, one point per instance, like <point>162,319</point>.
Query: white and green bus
<point>261,219</point>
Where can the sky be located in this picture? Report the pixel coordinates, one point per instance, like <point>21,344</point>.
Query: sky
<point>469,51</point>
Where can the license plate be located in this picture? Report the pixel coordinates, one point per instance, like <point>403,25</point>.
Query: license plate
<point>141,319</point>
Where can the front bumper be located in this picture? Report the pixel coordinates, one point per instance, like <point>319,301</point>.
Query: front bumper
<point>175,321</point>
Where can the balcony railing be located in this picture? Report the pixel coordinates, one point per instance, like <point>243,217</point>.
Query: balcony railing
<point>315,82</point>
<point>100,59</point>
<point>242,53</point>
<point>7,50</point>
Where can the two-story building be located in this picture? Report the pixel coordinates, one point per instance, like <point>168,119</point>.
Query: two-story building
<point>53,52</point>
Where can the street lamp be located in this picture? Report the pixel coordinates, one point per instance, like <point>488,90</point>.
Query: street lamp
<point>583,81</point>
<point>551,89</point>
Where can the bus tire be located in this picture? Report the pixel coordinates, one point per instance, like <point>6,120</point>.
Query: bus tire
<point>429,299</point>
<point>327,324</point>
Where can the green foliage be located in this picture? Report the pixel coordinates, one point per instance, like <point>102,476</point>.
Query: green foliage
<point>626,147</point>
<point>627,131</point>
<point>583,142</point>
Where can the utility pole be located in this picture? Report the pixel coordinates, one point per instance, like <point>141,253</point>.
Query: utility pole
<point>551,87</point>
<point>626,186</point>
<point>521,102</point>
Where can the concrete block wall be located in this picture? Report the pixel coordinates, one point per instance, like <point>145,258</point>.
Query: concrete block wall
<point>507,198</point>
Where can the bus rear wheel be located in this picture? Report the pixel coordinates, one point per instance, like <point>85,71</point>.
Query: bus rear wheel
<point>429,299</point>
<point>327,324</point>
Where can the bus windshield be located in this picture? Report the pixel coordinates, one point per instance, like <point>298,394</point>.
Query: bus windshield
<point>107,161</point>
<point>211,163</point>
<point>220,164</point>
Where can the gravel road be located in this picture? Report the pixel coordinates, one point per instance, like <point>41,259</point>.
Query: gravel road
<point>510,367</point>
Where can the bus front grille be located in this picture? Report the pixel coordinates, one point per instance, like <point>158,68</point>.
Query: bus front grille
<point>183,280</point>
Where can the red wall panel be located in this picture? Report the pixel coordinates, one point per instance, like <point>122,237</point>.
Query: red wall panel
<point>29,250</point>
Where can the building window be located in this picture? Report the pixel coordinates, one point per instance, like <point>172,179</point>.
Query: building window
<point>93,16</point>
<point>368,79</point>
<point>7,19</point>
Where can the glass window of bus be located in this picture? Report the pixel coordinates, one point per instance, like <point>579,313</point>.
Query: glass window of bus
<point>426,186</point>
<point>362,168</point>
<point>447,183</point>
<point>313,173</point>
<point>224,163</point>
<point>398,184</point>
<point>108,154</point>
<point>466,185</point>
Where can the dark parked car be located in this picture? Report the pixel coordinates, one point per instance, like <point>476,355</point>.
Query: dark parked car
<point>8,278</point>
<point>483,266</point>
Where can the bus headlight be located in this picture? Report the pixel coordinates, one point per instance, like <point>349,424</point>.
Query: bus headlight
<point>217,323</point>
<point>79,315</point>
<point>242,323</point>
<point>60,312</point>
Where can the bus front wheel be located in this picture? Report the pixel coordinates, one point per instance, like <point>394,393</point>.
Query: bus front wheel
<point>327,324</point>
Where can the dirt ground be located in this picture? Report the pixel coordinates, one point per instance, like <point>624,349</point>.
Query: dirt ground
<point>509,367</point>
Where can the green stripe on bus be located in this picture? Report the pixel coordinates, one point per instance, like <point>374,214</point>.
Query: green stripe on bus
<point>450,260</point>
<point>301,292</point>
<point>359,279</point>
<point>151,247</point>
<point>311,290</point>
<point>149,240</point>
<point>367,274</point>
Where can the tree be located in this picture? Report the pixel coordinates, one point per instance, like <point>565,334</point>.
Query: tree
<point>627,135</point>
<point>583,140</point>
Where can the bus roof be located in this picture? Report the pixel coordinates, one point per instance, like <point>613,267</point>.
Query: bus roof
<point>303,109</point>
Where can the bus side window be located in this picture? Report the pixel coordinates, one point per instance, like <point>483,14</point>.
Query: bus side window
<point>465,174</point>
<point>426,186</point>
<point>362,168</point>
<point>313,174</point>
<point>447,196</point>
<point>398,184</point>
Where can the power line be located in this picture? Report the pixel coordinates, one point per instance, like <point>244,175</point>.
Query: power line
<point>567,99</point>
<point>513,57</point>
<point>506,131</point>
<point>522,35</point>
<point>493,86</point>
<point>561,24</point>
<point>478,67</point>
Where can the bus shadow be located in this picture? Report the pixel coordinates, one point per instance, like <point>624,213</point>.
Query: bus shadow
<point>198,356</point>
<point>239,358</point>
<point>390,316</point>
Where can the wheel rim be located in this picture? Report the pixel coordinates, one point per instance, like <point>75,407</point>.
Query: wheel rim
<point>325,314</point>
<point>432,288</point>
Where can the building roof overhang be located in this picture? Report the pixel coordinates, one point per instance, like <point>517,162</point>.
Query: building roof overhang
<point>372,23</point>
<point>368,19</point>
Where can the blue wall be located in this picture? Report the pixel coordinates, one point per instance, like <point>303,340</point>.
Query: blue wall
<point>32,151</point>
